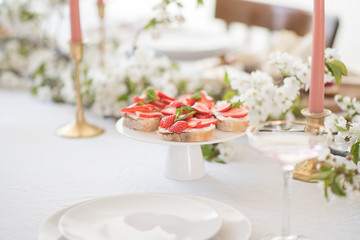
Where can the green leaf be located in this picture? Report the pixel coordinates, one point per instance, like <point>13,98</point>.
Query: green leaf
<point>150,95</point>
<point>229,95</point>
<point>179,111</point>
<point>34,91</point>
<point>196,96</point>
<point>151,23</point>
<point>218,160</point>
<point>323,175</point>
<point>337,69</point>
<point>185,116</point>
<point>326,186</point>
<point>140,103</point>
<point>236,104</point>
<point>123,97</point>
<point>207,151</point>
<point>324,169</point>
<point>336,188</point>
<point>355,152</point>
<point>179,4</point>
<point>200,2</point>
<point>340,129</point>
<point>175,66</point>
<point>226,79</point>
<point>131,85</point>
<point>40,71</point>
<point>182,86</point>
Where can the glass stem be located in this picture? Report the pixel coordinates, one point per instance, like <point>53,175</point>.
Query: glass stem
<point>286,204</point>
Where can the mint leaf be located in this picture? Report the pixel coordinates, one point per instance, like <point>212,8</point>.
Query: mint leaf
<point>179,111</point>
<point>140,103</point>
<point>196,96</point>
<point>229,95</point>
<point>185,116</point>
<point>236,104</point>
<point>151,94</point>
<point>355,152</point>
<point>337,69</point>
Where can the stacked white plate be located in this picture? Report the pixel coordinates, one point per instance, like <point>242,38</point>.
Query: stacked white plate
<point>147,216</point>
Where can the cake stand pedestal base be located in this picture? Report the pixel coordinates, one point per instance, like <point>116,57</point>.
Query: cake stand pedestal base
<point>184,163</point>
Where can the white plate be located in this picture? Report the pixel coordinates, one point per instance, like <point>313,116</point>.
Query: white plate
<point>218,136</point>
<point>143,216</point>
<point>191,44</point>
<point>235,226</point>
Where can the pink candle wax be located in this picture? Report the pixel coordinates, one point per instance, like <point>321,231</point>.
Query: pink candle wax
<point>316,101</point>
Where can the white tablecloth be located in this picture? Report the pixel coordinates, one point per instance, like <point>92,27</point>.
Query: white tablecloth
<point>41,173</point>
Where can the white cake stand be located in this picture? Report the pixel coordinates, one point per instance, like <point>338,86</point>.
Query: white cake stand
<point>184,160</point>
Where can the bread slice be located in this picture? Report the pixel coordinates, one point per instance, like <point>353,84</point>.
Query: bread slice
<point>189,135</point>
<point>141,124</point>
<point>232,124</point>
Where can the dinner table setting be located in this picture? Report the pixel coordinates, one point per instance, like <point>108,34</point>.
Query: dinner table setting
<point>152,128</point>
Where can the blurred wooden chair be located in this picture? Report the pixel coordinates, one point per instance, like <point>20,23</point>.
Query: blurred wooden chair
<point>273,17</point>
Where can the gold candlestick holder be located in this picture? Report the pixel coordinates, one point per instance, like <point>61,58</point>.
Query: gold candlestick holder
<point>101,12</point>
<point>80,128</point>
<point>305,169</point>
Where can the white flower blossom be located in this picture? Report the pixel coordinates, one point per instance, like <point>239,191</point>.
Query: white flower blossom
<point>227,151</point>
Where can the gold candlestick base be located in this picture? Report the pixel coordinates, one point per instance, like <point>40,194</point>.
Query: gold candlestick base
<point>79,129</point>
<point>305,169</point>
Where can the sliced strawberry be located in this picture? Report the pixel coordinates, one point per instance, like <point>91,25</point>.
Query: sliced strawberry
<point>167,121</point>
<point>166,101</point>
<point>138,99</point>
<point>205,96</point>
<point>238,112</point>
<point>163,95</point>
<point>148,114</point>
<point>140,108</point>
<point>178,127</point>
<point>201,108</point>
<point>223,107</point>
<point>206,122</point>
<point>168,111</point>
<point>177,104</point>
<point>190,101</point>
<point>203,116</point>
<point>158,104</point>
<point>193,122</point>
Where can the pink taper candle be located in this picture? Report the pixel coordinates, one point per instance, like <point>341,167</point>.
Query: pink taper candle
<point>100,1</point>
<point>316,102</point>
<point>75,21</point>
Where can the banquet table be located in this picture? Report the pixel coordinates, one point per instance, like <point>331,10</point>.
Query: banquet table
<point>41,173</point>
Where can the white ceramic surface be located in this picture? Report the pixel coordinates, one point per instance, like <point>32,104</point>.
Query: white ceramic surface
<point>235,226</point>
<point>191,44</point>
<point>143,216</point>
<point>218,136</point>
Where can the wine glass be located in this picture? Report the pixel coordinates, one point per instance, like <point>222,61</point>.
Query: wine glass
<point>290,142</point>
